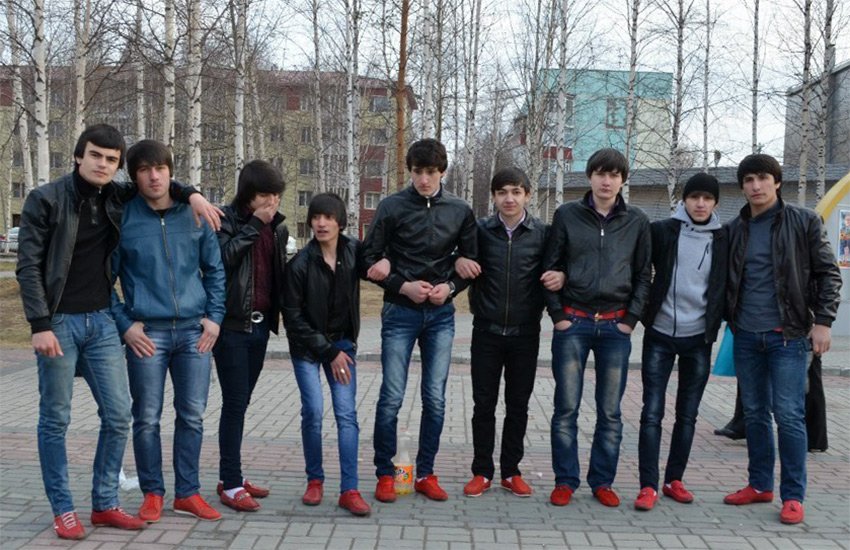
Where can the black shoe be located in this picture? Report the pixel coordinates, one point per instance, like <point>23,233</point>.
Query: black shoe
<point>732,432</point>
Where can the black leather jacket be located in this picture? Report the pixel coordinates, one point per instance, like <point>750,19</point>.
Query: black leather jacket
<point>236,237</point>
<point>507,298</point>
<point>49,222</point>
<point>306,295</point>
<point>607,263</point>
<point>419,236</point>
<point>665,244</point>
<point>808,281</point>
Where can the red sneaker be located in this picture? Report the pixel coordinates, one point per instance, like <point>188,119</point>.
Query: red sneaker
<point>313,494</point>
<point>354,503</point>
<point>646,499</point>
<point>792,512</point>
<point>676,490</point>
<point>195,505</point>
<point>385,490</point>
<point>116,517</point>
<point>151,509</point>
<point>561,495</point>
<point>476,486</point>
<point>748,495</point>
<point>254,490</point>
<point>242,501</point>
<point>430,487</point>
<point>607,496</point>
<point>68,526</point>
<point>517,486</point>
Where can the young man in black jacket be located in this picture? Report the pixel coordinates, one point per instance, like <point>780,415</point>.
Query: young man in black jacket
<point>781,299</point>
<point>507,303</point>
<point>418,230</point>
<point>682,317</point>
<point>69,229</point>
<point>603,246</point>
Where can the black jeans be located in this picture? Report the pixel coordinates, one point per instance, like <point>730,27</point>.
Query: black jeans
<point>238,360</point>
<point>659,352</point>
<point>518,356</point>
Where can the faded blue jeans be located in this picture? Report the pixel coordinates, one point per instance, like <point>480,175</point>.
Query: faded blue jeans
<point>343,398</point>
<point>771,374</point>
<point>177,353</point>
<point>89,342</point>
<point>570,349</point>
<point>401,327</point>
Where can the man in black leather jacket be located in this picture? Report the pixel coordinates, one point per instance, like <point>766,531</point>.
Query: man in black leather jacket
<point>418,231</point>
<point>69,228</point>
<point>603,246</point>
<point>507,303</point>
<point>781,299</point>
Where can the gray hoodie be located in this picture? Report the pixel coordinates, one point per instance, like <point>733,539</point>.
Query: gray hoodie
<point>682,313</point>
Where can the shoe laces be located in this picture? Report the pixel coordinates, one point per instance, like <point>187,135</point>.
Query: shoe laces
<point>69,520</point>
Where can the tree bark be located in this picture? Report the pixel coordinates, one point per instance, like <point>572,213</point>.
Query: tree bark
<point>805,97</point>
<point>41,104</point>
<point>168,70</point>
<point>195,88</point>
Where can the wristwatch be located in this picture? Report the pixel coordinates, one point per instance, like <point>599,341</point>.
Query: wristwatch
<point>452,288</point>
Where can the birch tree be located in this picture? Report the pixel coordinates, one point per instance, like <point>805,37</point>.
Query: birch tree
<point>139,69</point>
<point>428,127</point>
<point>755,78</point>
<point>825,100</point>
<point>634,13</point>
<point>39,51</point>
<point>194,81</point>
<point>319,138</point>
<point>21,115</point>
<point>352,48</point>
<point>239,15</point>
<point>401,84</point>
<point>705,83</point>
<point>168,73</point>
<point>471,83</point>
<point>805,95</point>
<point>82,22</point>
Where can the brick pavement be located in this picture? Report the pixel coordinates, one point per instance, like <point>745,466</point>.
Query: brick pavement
<point>494,521</point>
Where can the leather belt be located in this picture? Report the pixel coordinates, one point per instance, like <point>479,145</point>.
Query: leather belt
<point>598,316</point>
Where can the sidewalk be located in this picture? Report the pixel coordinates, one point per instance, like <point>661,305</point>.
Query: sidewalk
<point>497,520</point>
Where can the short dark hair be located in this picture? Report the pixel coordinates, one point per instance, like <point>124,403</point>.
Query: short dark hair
<point>427,153</point>
<point>257,176</point>
<point>608,160</point>
<point>329,204</point>
<point>510,176</point>
<point>759,163</point>
<point>101,135</point>
<point>151,153</point>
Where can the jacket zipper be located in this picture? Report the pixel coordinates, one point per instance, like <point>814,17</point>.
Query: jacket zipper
<point>170,268</point>
<point>507,285</point>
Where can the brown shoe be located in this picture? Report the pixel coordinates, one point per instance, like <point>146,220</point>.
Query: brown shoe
<point>354,503</point>
<point>242,501</point>
<point>313,494</point>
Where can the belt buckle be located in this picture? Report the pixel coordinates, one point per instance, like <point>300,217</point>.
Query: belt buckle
<point>596,317</point>
<point>257,317</point>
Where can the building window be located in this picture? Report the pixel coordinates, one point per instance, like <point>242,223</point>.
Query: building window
<point>303,230</point>
<point>373,169</point>
<point>214,131</point>
<point>306,167</point>
<point>379,104</point>
<point>276,133</point>
<point>616,113</point>
<point>56,129</point>
<point>18,190</point>
<point>304,198</point>
<point>57,160</point>
<point>304,103</point>
<point>378,136</point>
<point>306,135</point>
<point>371,200</point>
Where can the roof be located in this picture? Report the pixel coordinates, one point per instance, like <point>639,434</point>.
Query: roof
<point>841,67</point>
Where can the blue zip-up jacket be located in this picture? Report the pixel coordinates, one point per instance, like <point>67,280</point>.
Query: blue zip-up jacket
<point>170,269</point>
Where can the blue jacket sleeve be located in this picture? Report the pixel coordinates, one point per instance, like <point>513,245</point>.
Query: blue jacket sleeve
<point>213,270</point>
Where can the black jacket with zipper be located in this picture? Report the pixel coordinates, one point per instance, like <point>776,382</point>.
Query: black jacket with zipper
<point>236,237</point>
<point>665,243</point>
<point>306,298</point>
<point>507,298</point>
<point>607,262</point>
<point>808,280</point>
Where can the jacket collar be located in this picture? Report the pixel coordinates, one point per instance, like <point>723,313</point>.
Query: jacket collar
<point>411,189</point>
<point>746,213</point>
<point>83,190</point>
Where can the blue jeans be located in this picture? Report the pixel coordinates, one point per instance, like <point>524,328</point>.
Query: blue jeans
<point>177,353</point>
<point>239,360</point>
<point>401,327</point>
<point>89,342</point>
<point>570,349</point>
<point>772,377</point>
<point>659,353</point>
<point>308,376</point>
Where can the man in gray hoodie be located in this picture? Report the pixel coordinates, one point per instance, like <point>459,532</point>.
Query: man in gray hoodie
<point>689,254</point>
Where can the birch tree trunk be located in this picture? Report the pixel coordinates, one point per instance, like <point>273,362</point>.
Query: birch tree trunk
<point>562,107</point>
<point>631,98</point>
<point>194,86</point>
<point>805,97</point>
<point>170,85</point>
<point>706,74</point>
<point>240,22</point>
<point>41,106</point>
<point>319,139</point>
<point>256,115</point>
<point>400,96</point>
<point>82,16</point>
<point>755,79</point>
<point>679,17</point>
<point>428,126</point>
<point>21,114</point>
<point>825,99</point>
<point>141,118</point>
<point>472,105</point>
<point>352,46</point>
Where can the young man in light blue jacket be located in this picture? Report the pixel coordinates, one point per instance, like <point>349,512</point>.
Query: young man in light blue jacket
<point>172,280</point>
